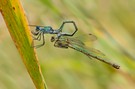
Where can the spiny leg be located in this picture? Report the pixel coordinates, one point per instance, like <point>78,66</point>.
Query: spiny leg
<point>38,38</point>
<point>61,28</point>
<point>37,46</point>
<point>37,34</point>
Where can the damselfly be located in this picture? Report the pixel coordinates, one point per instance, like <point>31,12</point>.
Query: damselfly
<point>41,30</point>
<point>76,44</point>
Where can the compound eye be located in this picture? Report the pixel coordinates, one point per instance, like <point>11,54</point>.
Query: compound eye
<point>37,28</point>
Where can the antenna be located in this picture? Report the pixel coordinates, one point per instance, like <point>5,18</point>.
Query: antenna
<point>35,26</point>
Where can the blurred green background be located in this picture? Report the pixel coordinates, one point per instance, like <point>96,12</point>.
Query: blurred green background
<point>112,21</point>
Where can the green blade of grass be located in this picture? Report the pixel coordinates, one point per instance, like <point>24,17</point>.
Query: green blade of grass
<point>17,25</point>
